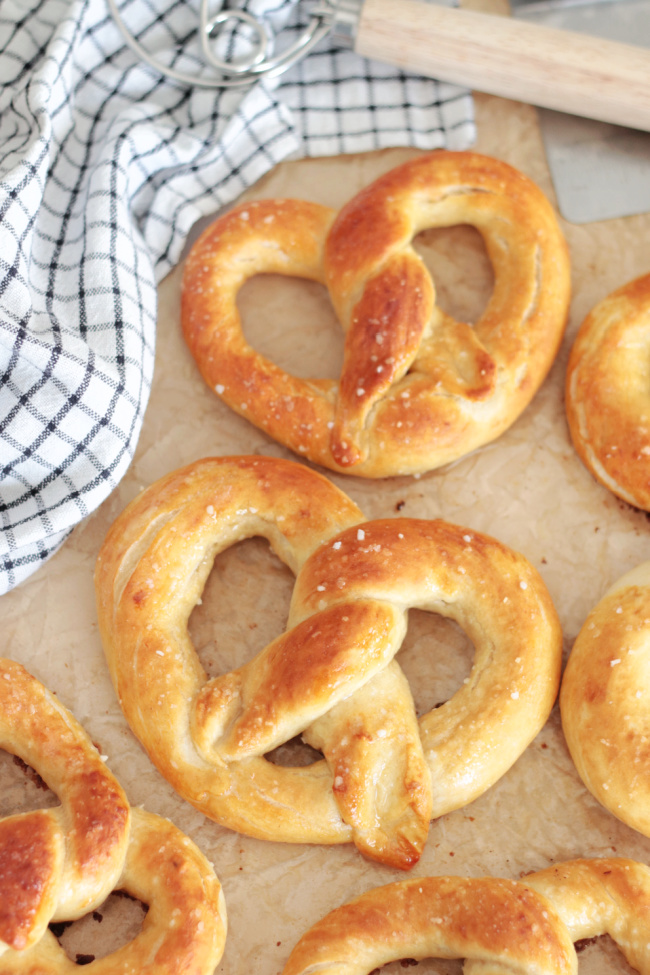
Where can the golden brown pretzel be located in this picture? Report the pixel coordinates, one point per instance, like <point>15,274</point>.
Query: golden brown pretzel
<point>501,927</point>
<point>609,895</point>
<point>604,700</point>
<point>331,676</point>
<point>60,863</point>
<point>607,392</point>
<point>418,389</point>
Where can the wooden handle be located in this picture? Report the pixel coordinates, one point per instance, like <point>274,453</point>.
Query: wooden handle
<point>559,69</point>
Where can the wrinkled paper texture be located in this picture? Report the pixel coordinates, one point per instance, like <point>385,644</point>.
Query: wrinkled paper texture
<point>528,489</point>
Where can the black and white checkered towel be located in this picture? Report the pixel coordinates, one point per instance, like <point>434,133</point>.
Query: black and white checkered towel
<point>104,168</point>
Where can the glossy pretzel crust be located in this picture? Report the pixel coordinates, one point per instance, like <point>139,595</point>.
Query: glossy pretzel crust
<point>500,927</point>
<point>418,389</point>
<point>604,700</point>
<point>608,392</point>
<point>331,676</point>
<point>61,863</point>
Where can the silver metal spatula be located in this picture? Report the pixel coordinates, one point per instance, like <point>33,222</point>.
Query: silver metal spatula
<point>599,170</point>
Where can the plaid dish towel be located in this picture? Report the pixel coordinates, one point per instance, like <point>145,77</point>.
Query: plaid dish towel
<point>104,167</point>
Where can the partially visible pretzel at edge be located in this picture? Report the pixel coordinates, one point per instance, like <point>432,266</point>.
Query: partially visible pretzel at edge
<point>604,699</point>
<point>607,398</point>
<point>499,926</point>
<point>331,677</point>
<point>418,389</point>
<point>60,863</point>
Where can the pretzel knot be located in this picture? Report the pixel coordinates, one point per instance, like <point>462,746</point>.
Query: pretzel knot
<point>603,700</point>
<point>331,677</point>
<point>607,392</point>
<point>501,927</point>
<point>418,389</point>
<point>60,863</point>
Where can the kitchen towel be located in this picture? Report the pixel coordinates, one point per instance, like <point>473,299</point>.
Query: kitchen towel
<point>105,165</point>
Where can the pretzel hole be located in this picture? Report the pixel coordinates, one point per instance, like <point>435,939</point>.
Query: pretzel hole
<point>111,926</point>
<point>21,787</point>
<point>437,658</point>
<point>601,956</point>
<point>426,966</point>
<point>462,272</point>
<point>244,606</point>
<point>291,322</point>
<point>293,754</point>
<point>596,956</point>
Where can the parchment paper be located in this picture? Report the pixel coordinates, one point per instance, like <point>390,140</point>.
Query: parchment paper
<point>528,489</point>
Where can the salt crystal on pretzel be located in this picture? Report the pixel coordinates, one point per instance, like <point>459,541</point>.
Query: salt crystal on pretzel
<point>418,389</point>
<point>500,927</point>
<point>60,863</point>
<point>608,392</point>
<point>604,700</point>
<point>331,676</point>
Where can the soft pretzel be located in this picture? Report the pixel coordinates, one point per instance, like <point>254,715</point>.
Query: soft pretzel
<point>609,895</point>
<point>331,676</point>
<point>604,700</point>
<point>503,927</point>
<point>500,927</point>
<point>418,389</point>
<point>59,864</point>
<point>607,386</point>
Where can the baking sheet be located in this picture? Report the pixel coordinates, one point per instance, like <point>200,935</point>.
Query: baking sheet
<point>528,489</point>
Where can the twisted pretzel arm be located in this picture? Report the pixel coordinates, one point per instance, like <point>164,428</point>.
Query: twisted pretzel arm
<point>184,929</point>
<point>513,343</point>
<point>607,384</point>
<point>602,896</point>
<point>60,862</point>
<point>418,389</point>
<point>331,676</point>
<point>92,844</point>
<point>497,598</point>
<point>507,927</point>
<point>150,574</point>
<point>499,927</point>
<point>381,779</point>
